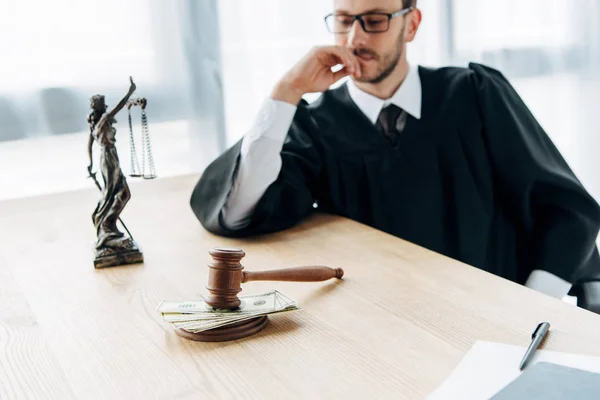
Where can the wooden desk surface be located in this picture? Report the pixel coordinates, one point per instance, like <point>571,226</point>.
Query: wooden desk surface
<point>395,327</point>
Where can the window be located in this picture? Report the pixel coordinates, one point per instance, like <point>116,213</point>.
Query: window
<point>56,54</point>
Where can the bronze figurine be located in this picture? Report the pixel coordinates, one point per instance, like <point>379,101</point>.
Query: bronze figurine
<point>112,247</point>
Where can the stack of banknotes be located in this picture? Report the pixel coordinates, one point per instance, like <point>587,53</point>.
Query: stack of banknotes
<point>197,316</point>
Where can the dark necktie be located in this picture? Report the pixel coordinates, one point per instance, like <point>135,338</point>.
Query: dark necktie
<point>391,121</point>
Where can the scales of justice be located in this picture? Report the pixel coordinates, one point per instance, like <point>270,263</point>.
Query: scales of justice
<point>113,247</point>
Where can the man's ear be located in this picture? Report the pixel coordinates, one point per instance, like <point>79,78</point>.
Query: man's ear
<point>413,21</point>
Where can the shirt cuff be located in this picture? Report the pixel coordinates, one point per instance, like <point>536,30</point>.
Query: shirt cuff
<point>547,283</point>
<point>273,120</point>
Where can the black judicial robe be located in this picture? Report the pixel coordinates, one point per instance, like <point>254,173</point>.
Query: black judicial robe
<point>476,179</point>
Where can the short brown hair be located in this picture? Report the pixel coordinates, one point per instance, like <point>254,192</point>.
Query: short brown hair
<point>409,3</point>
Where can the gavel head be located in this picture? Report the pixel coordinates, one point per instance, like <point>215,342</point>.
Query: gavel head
<point>225,278</point>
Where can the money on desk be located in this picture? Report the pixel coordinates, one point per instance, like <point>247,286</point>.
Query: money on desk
<point>197,316</point>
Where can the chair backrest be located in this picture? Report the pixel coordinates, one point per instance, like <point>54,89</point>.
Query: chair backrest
<point>11,125</point>
<point>64,110</point>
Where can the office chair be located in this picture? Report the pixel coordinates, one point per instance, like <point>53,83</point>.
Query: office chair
<point>64,110</point>
<point>11,126</point>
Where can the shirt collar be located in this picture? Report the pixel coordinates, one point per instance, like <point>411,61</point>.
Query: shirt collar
<point>408,97</point>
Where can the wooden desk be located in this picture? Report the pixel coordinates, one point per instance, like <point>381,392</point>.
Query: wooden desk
<point>395,327</point>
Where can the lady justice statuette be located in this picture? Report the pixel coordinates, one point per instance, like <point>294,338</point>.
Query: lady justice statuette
<point>113,248</point>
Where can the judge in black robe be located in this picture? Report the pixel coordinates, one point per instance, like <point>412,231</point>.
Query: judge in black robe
<point>476,179</point>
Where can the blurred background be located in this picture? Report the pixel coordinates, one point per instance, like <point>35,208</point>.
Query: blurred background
<point>205,67</point>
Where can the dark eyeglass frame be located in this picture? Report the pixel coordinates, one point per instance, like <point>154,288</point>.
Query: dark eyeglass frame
<point>359,17</point>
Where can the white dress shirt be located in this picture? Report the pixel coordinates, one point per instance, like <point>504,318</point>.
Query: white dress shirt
<point>260,159</point>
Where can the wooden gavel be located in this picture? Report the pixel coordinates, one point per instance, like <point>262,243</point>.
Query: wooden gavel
<point>226,275</point>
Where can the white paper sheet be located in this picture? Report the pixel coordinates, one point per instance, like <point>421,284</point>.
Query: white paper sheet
<point>489,366</point>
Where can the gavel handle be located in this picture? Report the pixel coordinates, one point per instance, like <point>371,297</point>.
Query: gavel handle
<point>299,274</point>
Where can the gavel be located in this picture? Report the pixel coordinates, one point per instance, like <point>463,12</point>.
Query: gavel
<point>226,274</point>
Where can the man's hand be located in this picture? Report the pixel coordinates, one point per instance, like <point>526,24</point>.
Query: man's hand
<point>313,73</point>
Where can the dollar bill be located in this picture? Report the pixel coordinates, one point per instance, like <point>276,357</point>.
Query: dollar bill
<point>249,304</point>
<point>283,304</point>
<point>197,316</point>
<point>173,317</point>
<point>284,301</point>
<point>199,326</point>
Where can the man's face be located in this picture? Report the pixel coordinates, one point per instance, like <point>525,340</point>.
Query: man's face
<point>378,53</point>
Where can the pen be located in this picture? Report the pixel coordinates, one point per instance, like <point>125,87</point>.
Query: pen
<point>536,338</point>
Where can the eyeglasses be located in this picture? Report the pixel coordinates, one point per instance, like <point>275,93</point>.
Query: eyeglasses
<point>370,22</point>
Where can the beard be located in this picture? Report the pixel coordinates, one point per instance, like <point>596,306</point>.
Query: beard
<point>386,64</point>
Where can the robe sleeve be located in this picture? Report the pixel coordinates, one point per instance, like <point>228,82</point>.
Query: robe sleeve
<point>285,202</point>
<point>557,217</point>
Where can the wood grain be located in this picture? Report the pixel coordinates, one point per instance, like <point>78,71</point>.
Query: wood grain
<point>395,326</point>
<point>28,366</point>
